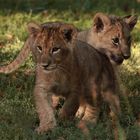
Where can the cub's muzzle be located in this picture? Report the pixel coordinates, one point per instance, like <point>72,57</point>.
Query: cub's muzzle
<point>117,59</point>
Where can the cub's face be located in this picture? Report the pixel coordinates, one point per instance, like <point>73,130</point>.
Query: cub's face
<point>112,36</point>
<point>51,43</point>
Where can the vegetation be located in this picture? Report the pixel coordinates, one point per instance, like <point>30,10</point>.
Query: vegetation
<point>18,117</point>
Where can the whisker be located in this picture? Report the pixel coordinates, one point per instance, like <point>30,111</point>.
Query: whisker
<point>63,69</point>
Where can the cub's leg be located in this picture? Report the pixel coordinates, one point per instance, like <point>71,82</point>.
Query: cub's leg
<point>92,108</point>
<point>55,101</point>
<point>44,109</point>
<point>91,113</point>
<point>90,116</point>
<point>43,101</point>
<point>113,100</point>
<point>81,110</point>
<point>70,107</point>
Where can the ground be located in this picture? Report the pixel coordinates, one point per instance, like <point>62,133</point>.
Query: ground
<point>18,117</point>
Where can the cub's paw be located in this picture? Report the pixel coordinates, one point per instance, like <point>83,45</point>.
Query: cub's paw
<point>55,101</point>
<point>45,128</point>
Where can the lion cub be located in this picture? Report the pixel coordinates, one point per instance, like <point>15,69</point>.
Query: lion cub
<point>69,68</point>
<point>111,35</point>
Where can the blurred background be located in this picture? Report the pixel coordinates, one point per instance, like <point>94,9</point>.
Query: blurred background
<point>113,6</point>
<point>18,117</point>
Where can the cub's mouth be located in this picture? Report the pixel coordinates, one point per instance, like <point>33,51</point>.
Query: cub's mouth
<point>49,67</point>
<point>117,59</point>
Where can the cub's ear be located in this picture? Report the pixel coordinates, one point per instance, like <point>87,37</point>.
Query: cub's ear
<point>33,28</point>
<point>131,21</point>
<point>100,20</point>
<point>69,32</point>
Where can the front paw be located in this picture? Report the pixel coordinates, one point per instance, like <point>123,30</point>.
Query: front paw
<point>55,101</point>
<point>45,127</point>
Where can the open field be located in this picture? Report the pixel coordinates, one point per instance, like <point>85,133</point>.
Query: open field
<point>18,117</point>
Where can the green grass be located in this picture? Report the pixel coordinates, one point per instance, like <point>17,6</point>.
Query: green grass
<point>18,117</point>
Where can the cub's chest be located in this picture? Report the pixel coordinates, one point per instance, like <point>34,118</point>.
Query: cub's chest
<point>60,88</point>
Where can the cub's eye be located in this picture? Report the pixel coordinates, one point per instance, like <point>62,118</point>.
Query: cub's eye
<point>115,40</point>
<point>39,48</point>
<point>55,50</point>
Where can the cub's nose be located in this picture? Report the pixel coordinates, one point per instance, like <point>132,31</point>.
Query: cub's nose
<point>126,56</point>
<point>45,65</point>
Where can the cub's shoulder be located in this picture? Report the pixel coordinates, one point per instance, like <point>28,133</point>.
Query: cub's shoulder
<point>87,48</point>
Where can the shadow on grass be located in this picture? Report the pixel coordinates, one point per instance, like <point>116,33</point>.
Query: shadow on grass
<point>18,117</point>
<point>131,80</point>
<point>63,5</point>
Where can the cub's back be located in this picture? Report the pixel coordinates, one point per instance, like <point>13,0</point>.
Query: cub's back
<point>89,57</point>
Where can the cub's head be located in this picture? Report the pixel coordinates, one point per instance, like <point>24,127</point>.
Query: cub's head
<point>111,35</point>
<point>51,43</point>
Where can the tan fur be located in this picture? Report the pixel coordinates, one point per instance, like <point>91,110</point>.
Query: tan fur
<point>101,35</point>
<point>62,70</point>
<point>104,30</point>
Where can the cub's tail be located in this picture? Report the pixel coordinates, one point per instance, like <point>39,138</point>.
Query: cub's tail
<point>23,54</point>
